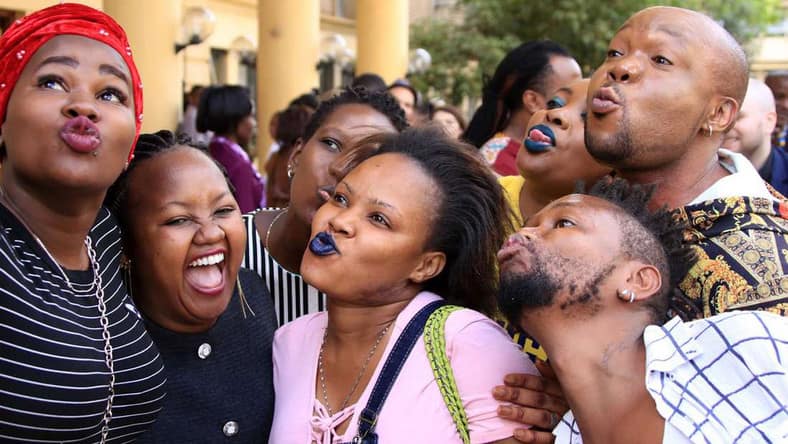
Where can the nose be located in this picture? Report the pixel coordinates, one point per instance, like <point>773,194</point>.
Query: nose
<point>81,104</point>
<point>557,118</point>
<point>529,233</point>
<point>210,232</point>
<point>342,223</point>
<point>625,69</point>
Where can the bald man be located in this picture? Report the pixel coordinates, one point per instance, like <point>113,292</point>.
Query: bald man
<point>670,87</point>
<point>777,81</point>
<point>751,136</point>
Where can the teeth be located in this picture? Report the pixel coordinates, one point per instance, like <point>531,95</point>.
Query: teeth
<point>208,260</point>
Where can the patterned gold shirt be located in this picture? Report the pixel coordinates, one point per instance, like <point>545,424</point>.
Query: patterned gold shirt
<point>742,245</point>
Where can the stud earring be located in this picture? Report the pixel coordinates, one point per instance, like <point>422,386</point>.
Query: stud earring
<point>626,295</point>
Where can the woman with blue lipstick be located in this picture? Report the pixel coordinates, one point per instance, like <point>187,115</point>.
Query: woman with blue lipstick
<point>387,255</point>
<point>551,162</point>
<point>277,237</point>
<point>521,86</point>
<point>553,157</point>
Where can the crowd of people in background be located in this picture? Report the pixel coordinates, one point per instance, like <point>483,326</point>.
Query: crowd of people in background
<point>599,258</point>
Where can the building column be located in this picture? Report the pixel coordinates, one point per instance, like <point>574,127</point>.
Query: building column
<point>382,38</point>
<point>287,53</point>
<point>152,27</point>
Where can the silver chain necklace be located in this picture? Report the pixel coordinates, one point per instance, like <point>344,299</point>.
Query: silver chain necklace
<point>321,369</point>
<point>102,306</point>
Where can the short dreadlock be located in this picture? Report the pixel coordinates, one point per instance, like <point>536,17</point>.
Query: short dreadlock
<point>654,237</point>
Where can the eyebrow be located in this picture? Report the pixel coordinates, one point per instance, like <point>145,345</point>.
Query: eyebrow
<point>347,186</point>
<point>554,205</point>
<point>60,60</point>
<point>112,70</point>
<point>74,63</point>
<point>178,203</point>
<point>373,201</point>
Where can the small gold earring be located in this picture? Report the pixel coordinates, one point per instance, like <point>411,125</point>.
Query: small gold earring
<point>710,131</point>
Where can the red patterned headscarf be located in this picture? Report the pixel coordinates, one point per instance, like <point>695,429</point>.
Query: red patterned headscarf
<point>23,38</point>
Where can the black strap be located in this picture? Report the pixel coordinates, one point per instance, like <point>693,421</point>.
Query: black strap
<point>388,375</point>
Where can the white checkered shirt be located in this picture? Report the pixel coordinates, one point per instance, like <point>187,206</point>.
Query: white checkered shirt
<point>722,379</point>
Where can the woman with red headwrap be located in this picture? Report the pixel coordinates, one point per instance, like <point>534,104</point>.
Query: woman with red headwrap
<point>76,363</point>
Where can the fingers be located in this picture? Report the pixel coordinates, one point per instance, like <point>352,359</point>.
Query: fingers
<point>532,399</point>
<point>533,436</point>
<point>543,419</point>
<point>545,369</point>
<point>534,383</point>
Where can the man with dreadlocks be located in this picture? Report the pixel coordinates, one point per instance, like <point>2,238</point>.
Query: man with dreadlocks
<point>590,277</point>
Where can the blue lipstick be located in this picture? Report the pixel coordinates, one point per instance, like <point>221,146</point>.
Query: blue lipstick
<point>323,244</point>
<point>540,139</point>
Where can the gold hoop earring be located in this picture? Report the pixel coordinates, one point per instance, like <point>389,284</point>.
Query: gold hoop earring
<point>710,131</point>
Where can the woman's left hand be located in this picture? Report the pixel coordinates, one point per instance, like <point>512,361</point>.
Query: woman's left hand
<point>536,400</point>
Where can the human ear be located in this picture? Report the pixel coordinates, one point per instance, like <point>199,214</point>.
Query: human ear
<point>770,121</point>
<point>430,265</point>
<point>298,147</point>
<point>644,280</point>
<point>533,101</point>
<point>723,115</point>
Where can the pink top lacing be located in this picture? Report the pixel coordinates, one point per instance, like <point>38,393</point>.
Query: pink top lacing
<point>324,426</point>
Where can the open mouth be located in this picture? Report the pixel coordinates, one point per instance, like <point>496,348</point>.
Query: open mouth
<point>323,244</point>
<point>540,139</point>
<point>206,274</point>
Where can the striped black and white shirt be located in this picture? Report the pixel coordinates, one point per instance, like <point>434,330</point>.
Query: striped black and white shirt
<point>292,296</point>
<point>53,377</point>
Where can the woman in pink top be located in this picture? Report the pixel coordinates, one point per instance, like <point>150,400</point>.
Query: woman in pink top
<point>418,221</point>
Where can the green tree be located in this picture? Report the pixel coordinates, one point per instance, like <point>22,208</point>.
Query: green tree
<point>464,53</point>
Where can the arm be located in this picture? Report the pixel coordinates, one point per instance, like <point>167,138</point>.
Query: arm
<point>536,400</point>
<point>481,354</point>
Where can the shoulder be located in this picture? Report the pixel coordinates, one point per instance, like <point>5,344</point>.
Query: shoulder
<point>473,336</point>
<point>497,142</point>
<point>301,330</point>
<point>756,328</point>
<point>511,183</point>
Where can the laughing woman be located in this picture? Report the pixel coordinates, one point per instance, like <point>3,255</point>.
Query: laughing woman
<point>183,246</point>
<point>383,253</point>
<point>76,364</point>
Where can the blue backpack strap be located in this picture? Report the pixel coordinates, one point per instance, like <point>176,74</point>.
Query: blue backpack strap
<point>399,354</point>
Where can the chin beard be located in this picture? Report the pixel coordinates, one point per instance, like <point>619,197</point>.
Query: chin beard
<point>614,149</point>
<point>535,289</point>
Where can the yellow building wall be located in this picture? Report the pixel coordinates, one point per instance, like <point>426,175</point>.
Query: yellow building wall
<point>234,19</point>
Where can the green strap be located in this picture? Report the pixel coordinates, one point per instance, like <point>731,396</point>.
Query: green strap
<point>435,343</point>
